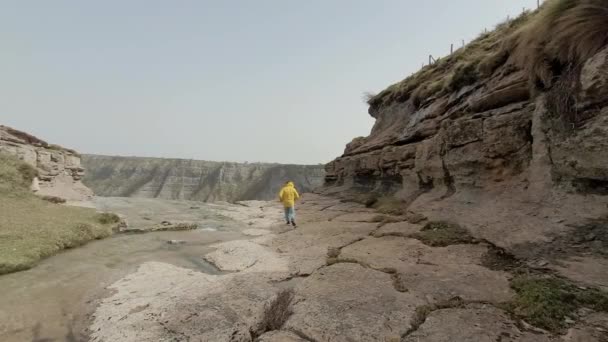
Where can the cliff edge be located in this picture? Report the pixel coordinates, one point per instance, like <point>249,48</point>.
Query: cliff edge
<point>196,180</point>
<point>507,136</point>
<point>59,169</point>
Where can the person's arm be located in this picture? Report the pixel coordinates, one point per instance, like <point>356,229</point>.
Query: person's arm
<point>281,194</point>
<point>296,194</point>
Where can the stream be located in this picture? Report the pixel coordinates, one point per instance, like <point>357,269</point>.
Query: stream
<point>53,300</point>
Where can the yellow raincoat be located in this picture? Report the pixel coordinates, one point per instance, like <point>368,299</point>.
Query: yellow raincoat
<point>288,195</point>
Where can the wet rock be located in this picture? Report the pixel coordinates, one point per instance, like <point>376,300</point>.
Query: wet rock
<point>165,226</point>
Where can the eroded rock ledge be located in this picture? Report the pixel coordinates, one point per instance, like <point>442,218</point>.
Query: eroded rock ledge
<point>59,169</point>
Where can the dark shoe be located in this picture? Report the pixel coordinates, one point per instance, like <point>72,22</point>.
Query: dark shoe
<point>293,223</point>
<point>288,223</point>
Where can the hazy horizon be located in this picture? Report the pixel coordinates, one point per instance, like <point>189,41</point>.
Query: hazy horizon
<point>267,81</point>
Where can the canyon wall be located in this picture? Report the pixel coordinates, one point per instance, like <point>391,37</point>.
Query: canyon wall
<point>194,179</point>
<point>59,169</point>
<point>487,133</point>
<point>514,161</point>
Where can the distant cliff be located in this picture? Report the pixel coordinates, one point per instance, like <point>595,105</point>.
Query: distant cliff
<point>194,179</point>
<point>59,169</point>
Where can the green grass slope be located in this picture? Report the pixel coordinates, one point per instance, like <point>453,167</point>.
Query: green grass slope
<point>546,43</point>
<point>32,228</point>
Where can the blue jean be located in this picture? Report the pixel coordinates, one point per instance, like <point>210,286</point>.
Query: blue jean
<point>290,214</point>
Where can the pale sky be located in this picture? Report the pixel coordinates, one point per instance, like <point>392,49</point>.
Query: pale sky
<point>264,80</point>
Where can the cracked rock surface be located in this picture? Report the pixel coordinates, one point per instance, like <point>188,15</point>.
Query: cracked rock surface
<point>352,280</point>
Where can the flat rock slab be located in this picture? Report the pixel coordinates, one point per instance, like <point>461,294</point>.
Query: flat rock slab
<point>347,302</point>
<point>436,273</point>
<point>398,228</point>
<point>307,216</point>
<point>246,256</point>
<point>350,207</point>
<point>162,302</point>
<point>589,270</point>
<point>358,217</point>
<point>474,323</point>
<point>256,232</point>
<point>393,251</point>
<point>306,247</point>
<point>443,282</point>
<point>593,328</point>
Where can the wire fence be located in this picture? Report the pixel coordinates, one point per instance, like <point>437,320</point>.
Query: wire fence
<point>433,60</point>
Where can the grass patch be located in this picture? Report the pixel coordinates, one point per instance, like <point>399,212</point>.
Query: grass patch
<point>390,205</point>
<point>465,66</point>
<point>32,228</point>
<point>15,176</point>
<point>54,199</point>
<point>108,218</point>
<point>547,302</point>
<point>442,234</point>
<point>464,74</point>
<point>498,259</point>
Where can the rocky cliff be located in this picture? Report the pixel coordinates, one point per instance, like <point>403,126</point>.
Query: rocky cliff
<point>194,179</point>
<point>59,169</point>
<point>508,135</point>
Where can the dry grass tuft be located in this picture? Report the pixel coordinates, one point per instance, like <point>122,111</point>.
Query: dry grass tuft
<point>547,302</point>
<point>561,34</point>
<point>390,205</point>
<point>564,33</point>
<point>276,313</point>
<point>451,73</point>
<point>442,234</point>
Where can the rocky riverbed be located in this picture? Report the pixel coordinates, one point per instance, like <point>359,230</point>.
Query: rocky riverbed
<point>52,301</point>
<point>346,273</point>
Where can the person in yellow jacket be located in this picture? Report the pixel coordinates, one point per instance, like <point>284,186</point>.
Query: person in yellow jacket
<point>288,196</point>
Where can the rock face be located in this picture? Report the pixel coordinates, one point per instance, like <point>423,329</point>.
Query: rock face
<point>60,170</point>
<point>194,179</point>
<point>487,133</point>
<point>490,155</point>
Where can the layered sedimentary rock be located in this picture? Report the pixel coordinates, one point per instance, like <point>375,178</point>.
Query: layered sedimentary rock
<point>59,169</point>
<point>486,133</point>
<point>194,179</point>
<point>515,164</point>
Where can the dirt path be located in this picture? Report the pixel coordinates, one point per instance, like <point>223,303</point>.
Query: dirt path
<point>354,279</point>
